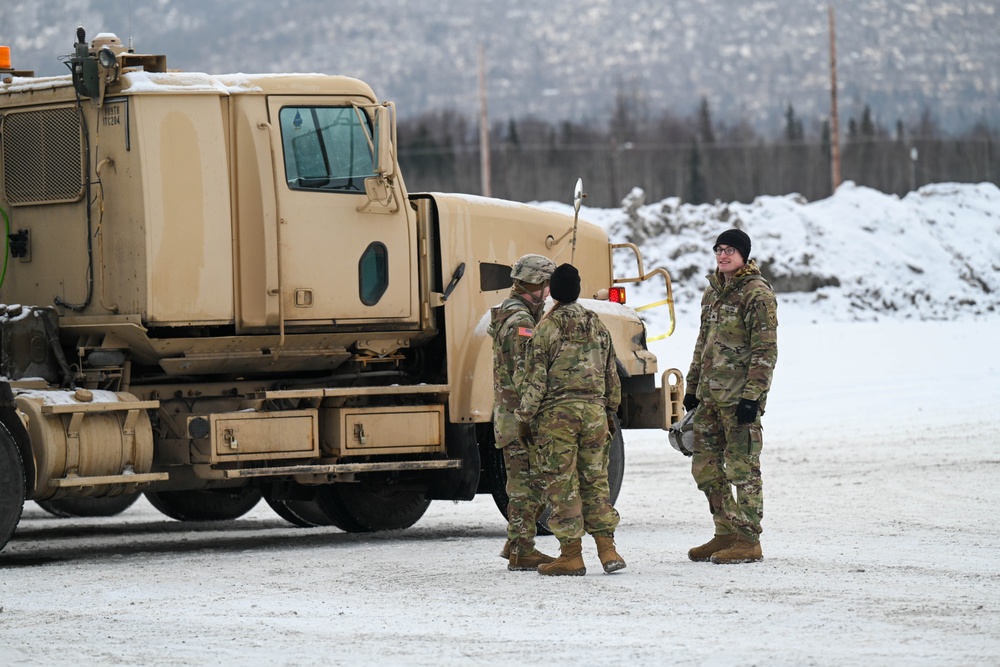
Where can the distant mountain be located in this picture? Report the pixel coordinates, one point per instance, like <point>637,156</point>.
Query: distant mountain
<point>567,59</point>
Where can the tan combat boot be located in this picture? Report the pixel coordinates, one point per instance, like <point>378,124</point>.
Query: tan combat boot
<point>741,551</point>
<point>570,561</point>
<point>505,552</point>
<point>527,561</point>
<point>610,559</point>
<point>704,552</point>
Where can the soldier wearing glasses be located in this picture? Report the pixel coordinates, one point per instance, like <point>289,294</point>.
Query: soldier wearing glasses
<point>728,382</point>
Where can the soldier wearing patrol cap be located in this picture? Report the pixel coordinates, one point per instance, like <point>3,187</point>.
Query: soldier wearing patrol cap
<point>511,327</point>
<point>727,387</point>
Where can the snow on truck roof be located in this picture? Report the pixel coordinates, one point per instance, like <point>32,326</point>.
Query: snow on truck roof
<point>141,82</point>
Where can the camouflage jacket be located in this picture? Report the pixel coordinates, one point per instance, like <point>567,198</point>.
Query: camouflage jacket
<point>511,326</point>
<point>569,358</point>
<point>738,341</point>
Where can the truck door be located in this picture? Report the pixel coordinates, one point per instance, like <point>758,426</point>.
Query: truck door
<point>341,258</point>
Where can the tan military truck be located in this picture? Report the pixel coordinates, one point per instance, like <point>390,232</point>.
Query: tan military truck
<point>218,289</point>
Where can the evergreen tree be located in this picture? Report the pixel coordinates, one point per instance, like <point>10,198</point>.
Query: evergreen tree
<point>793,126</point>
<point>697,194</point>
<point>512,137</point>
<point>867,126</point>
<point>705,131</point>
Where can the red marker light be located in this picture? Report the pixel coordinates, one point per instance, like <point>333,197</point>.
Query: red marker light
<point>616,295</point>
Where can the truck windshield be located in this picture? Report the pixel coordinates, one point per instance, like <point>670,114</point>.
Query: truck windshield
<point>326,148</point>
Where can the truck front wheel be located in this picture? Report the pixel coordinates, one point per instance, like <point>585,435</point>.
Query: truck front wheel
<point>495,472</point>
<point>11,487</point>
<point>205,505</point>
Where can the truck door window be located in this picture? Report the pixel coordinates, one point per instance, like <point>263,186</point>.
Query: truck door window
<point>326,148</point>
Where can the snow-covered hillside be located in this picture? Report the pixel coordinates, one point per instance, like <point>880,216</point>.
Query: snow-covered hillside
<point>569,58</point>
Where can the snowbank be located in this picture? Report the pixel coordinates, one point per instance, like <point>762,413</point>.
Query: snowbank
<point>858,255</point>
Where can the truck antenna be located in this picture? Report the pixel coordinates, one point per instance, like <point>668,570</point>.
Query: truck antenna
<point>578,196</point>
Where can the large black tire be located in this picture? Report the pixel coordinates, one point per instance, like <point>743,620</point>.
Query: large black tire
<point>205,505</point>
<point>82,507</point>
<point>496,473</point>
<point>11,487</point>
<point>616,462</point>
<point>331,503</point>
<point>365,507</point>
<point>301,513</point>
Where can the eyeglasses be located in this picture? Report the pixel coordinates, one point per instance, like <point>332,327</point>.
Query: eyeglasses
<point>729,250</point>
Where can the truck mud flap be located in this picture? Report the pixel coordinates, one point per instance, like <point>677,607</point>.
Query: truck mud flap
<point>460,483</point>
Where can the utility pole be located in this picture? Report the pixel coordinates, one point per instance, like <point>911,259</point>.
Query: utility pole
<point>484,128</point>
<point>834,122</point>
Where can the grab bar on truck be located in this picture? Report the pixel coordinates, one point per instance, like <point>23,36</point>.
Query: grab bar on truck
<point>643,277</point>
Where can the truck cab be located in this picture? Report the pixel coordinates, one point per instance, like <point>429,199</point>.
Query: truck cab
<point>219,289</point>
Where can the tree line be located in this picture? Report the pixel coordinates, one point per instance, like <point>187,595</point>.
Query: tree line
<point>695,157</point>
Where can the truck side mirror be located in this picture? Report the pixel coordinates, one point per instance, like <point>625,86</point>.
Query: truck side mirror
<point>385,164</point>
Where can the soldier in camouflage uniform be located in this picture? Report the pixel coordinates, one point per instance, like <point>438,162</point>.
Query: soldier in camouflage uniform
<point>511,326</point>
<point>728,383</point>
<point>569,394</point>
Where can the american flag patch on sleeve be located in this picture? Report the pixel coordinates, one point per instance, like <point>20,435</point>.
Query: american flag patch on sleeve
<point>525,331</point>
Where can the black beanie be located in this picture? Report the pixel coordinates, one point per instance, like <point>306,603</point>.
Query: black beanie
<point>564,286</point>
<point>735,238</point>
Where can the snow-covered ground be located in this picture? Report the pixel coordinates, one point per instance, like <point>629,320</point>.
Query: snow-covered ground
<point>881,458</point>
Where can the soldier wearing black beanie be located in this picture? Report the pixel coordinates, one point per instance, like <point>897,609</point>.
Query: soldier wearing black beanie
<point>735,238</point>
<point>564,285</point>
<point>727,387</point>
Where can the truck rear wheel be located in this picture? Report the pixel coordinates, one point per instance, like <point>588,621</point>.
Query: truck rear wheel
<point>365,507</point>
<point>83,507</point>
<point>205,505</point>
<point>11,487</point>
<point>496,473</point>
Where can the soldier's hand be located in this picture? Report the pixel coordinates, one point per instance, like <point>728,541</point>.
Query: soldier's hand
<point>746,411</point>
<point>690,402</point>
<point>524,432</point>
<point>612,429</point>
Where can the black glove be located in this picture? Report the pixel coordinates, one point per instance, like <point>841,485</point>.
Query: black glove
<point>690,402</point>
<point>611,423</point>
<point>524,432</point>
<point>746,411</point>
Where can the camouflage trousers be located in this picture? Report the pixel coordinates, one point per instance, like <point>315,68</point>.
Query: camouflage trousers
<point>525,488</point>
<point>727,457</point>
<point>573,445</point>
